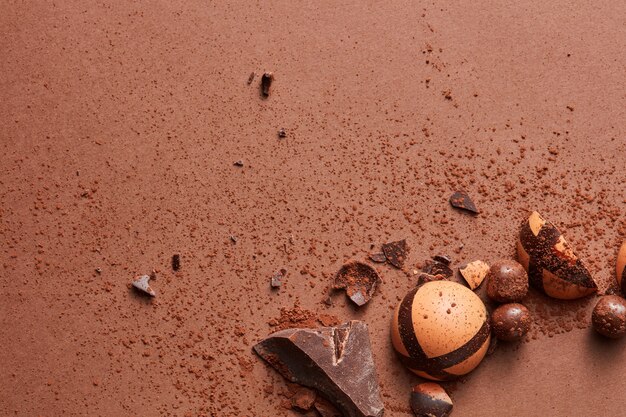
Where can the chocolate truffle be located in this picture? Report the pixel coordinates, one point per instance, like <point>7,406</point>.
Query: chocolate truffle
<point>430,400</point>
<point>609,316</point>
<point>440,330</point>
<point>507,281</point>
<point>510,322</point>
<point>553,267</point>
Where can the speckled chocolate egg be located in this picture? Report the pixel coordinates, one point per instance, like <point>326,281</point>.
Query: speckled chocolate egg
<point>440,330</point>
<point>621,268</point>
<point>553,267</point>
<point>609,316</point>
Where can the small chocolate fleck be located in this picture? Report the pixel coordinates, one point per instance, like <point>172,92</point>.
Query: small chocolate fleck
<point>266,83</point>
<point>251,77</point>
<point>176,262</point>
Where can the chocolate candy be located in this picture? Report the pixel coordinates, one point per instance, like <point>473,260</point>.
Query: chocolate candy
<point>609,316</point>
<point>335,361</point>
<point>359,280</point>
<point>507,281</point>
<point>510,322</point>
<point>430,400</point>
<point>553,267</point>
<point>440,330</point>
<point>620,268</point>
<point>474,273</point>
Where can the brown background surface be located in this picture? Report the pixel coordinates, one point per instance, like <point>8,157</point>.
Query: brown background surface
<point>119,126</point>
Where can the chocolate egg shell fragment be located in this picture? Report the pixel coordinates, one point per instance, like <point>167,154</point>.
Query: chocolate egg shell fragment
<point>335,361</point>
<point>359,280</point>
<point>430,400</point>
<point>609,316</point>
<point>621,268</point>
<point>141,283</point>
<point>378,257</point>
<point>507,281</point>
<point>474,273</point>
<point>440,330</point>
<point>510,322</point>
<point>396,252</point>
<point>434,267</point>
<point>461,200</point>
<point>553,267</point>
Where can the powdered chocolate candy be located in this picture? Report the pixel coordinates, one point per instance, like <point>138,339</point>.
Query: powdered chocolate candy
<point>440,330</point>
<point>430,400</point>
<point>510,322</point>
<point>552,265</point>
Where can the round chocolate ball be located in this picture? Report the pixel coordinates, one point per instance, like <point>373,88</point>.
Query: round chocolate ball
<point>609,316</point>
<point>440,330</point>
<point>510,322</point>
<point>507,281</point>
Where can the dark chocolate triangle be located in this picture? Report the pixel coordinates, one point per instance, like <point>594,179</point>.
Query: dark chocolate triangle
<point>335,361</point>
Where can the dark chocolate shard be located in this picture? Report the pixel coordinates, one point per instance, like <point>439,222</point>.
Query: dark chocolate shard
<point>423,278</point>
<point>176,262</point>
<point>277,278</point>
<point>359,280</point>
<point>396,252</point>
<point>266,83</point>
<point>430,400</point>
<point>433,267</point>
<point>378,257</point>
<point>238,163</point>
<point>282,133</point>
<point>444,259</point>
<point>345,376</point>
<point>461,200</point>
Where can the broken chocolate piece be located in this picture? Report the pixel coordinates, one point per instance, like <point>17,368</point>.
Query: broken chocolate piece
<point>378,257</point>
<point>396,252</point>
<point>359,280</point>
<point>433,267</point>
<point>474,273</point>
<point>176,262</point>
<point>303,399</point>
<point>266,83</point>
<point>430,400</point>
<point>238,163</point>
<point>423,278</point>
<point>282,133</point>
<point>277,278</point>
<point>444,259</point>
<point>335,361</point>
<point>141,283</point>
<point>461,200</point>
<point>251,77</point>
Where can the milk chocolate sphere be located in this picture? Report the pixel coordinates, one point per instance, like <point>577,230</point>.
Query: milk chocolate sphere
<point>510,322</point>
<point>609,316</point>
<point>441,330</point>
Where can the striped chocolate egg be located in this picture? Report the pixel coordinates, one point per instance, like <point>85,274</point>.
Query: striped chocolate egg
<point>621,268</point>
<point>553,267</point>
<point>440,330</point>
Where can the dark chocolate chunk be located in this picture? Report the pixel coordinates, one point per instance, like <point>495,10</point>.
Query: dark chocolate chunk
<point>461,200</point>
<point>282,133</point>
<point>238,163</point>
<point>233,239</point>
<point>609,316</point>
<point>396,252</point>
<point>359,280</point>
<point>277,278</point>
<point>378,257</point>
<point>510,322</point>
<point>433,267</point>
<point>444,259</point>
<point>430,400</point>
<point>335,361</point>
<point>176,262</point>
<point>266,83</point>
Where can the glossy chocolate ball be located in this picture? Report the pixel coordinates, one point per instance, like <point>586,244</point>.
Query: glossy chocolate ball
<point>507,281</point>
<point>510,322</point>
<point>440,330</point>
<point>609,316</point>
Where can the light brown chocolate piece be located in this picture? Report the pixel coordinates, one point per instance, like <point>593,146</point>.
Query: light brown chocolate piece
<point>474,273</point>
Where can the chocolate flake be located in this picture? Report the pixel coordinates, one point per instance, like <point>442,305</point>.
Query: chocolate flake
<point>282,133</point>
<point>444,259</point>
<point>359,280</point>
<point>433,267</point>
<point>310,358</point>
<point>378,257</point>
<point>238,163</point>
<point>277,278</point>
<point>176,262</point>
<point>396,252</point>
<point>461,200</point>
<point>141,283</point>
<point>266,83</point>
